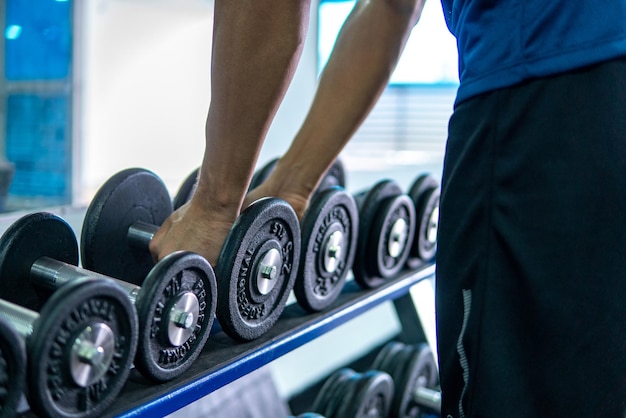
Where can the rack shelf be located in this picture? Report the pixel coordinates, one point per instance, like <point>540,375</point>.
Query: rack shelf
<point>223,360</point>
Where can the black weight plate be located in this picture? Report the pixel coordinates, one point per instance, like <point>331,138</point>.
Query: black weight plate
<point>386,353</point>
<point>425,242</point>
<point>335,176</point>
<point>262,174</point>
<point>268,225</point>
<point>395,364</point>
<point>390,360</point>
<point>422,183</point>
<point>132,195</point>
<point>383,262</point>
<point>324,395</point>
<point>420,371</point>
<point>371,398</point>
<point>417,192</point>
<point>385,250</point>
<point>412,367</point>
<point>187,189</point>
<point>179,279</point>
<point>81,304</point>
<point>12,368</point>
<point>26,240</point>
<point>369,203</point>
<point>339,392</point>
<point>345,394</point>
<point>402,371</point>
<point>331,214</point>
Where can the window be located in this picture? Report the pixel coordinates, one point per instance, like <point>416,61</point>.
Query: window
<point>36,100</point>
<point>429,58</point>
<point>408,125</point>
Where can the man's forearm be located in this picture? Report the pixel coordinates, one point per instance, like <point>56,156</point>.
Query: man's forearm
<point>256,47</point>
<point>366,52</point>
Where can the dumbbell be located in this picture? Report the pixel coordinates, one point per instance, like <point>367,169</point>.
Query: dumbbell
<point>425,192</point>
<point>175,303</point>
<point>412,370</point>
<point>12,368</point>
<point>329,242</point>
<point>415,375</point>
<point>329,233</point>
<point>80,342</point>
<point>329,238</point>
<point>347,393</point>
<point>386,231</point>
<point>256,267</point>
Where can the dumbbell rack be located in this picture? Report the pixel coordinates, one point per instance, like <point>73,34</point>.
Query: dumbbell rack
<point>224,360</point>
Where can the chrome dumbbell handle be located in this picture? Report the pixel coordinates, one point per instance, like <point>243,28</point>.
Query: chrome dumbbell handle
<point>428,398</point>
<point>140,234</point>
<point>52,274</point>
<point>20,318</point>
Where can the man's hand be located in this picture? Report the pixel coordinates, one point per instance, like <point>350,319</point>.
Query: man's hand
<point>192,228</point>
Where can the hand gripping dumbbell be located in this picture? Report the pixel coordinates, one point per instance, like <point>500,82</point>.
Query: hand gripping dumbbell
<point>80,342</point>
<point>256,267</point>
<point>329,238</point>
<point>172,321</point>
<point>386,231</point>
<point>329,230</point>
<point>12,368</point>
<point>348,394</point>
<point>424,192</point>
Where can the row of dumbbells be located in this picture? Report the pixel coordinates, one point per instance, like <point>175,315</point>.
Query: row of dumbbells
<point>375,233</point>
<point>83,328</point>
<point>401,383</point>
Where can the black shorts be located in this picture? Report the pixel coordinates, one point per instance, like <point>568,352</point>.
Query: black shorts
<point>531,261</point>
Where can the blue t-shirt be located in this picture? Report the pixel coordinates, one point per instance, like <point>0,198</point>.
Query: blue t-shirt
<point>504,42</point>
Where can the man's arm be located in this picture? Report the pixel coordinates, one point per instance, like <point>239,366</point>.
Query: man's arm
<point>365,54</point>
<point>256,47</point>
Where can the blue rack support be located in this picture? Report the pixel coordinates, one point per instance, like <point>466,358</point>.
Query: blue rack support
<point>223,360</point>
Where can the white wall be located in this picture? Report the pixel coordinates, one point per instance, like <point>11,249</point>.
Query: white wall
<point>145,90</point>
